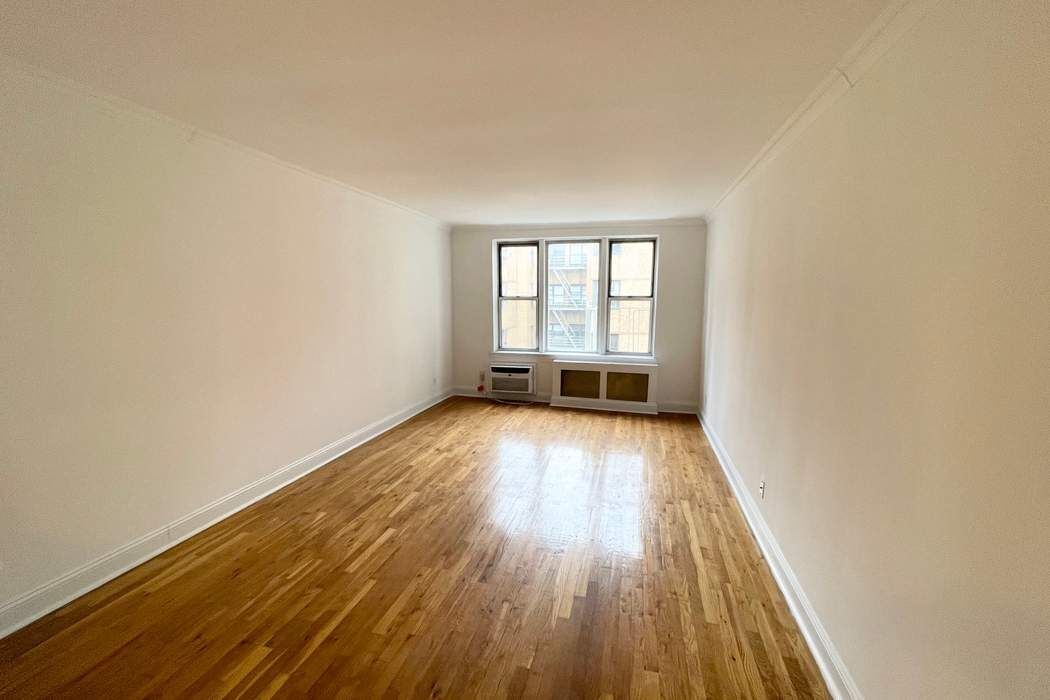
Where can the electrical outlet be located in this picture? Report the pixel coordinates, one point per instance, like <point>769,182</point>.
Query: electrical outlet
<point>762,489</point>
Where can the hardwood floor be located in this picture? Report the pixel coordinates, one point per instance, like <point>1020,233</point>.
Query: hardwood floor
<point>478,550</point>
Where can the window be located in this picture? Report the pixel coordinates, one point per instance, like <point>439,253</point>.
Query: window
<point>631,265</point>
<point>518,285</point>
<point>572,306</point>
<point>592,296</point>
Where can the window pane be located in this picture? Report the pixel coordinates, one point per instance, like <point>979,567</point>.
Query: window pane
<point>517,324</point>
<point>572,296</point>
<point>518,270</point>
<point>629,325</point>
<point>631,268</point>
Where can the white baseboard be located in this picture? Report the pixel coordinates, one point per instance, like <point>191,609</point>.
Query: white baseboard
<point>30,606</point>
<point>663,407</point>
<point>832,667</point>
<point>678,407</point>
<point>472,393</point>
<point>605,405</point>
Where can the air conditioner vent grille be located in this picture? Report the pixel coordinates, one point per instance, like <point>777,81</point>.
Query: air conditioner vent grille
<point>511,369</point>
<point>512,379</point>
<point>515,384</point>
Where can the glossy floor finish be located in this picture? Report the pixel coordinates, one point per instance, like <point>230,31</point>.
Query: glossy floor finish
<point>478,550</point>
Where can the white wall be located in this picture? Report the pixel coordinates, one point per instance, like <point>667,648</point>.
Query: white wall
<point>878,350</point>
<point>680,290</point>
<point>180,317</point>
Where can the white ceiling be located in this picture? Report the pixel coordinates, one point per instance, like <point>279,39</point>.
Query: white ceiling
<point>472,111</point>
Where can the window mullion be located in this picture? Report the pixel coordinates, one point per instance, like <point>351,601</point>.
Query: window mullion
<point>603,296</point>
<point>541,294</point>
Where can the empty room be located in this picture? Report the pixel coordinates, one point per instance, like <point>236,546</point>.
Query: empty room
<point>525,349</point>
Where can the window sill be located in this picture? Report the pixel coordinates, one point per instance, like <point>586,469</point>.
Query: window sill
<point>579,356</point>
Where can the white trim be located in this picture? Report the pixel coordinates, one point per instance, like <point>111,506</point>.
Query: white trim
<point>649,408</point>
<point>663,406</point>
<point>621,358</point>
<point>30,606</point>
<point>891,24</point>
<point>677,407</point>
<point>832,667</point>
<point>470,392</point>
<point>120,106</point>
<point>620,224</point>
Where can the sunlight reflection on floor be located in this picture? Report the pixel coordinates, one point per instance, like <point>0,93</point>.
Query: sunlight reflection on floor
<point>561,497</point>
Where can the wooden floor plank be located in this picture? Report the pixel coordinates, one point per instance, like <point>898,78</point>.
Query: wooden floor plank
<point>477,550</point>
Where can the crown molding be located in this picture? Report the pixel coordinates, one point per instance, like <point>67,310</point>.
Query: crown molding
<point>121,107</point>
<point>622,224</point>
<point>896,20</point>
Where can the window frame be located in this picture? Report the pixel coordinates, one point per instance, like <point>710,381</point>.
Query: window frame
<point>651,298</point>
<point>604,288</point>
<point>544,243</point>
<point>500,297</point>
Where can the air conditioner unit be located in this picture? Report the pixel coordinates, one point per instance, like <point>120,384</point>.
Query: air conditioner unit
<point>512,379</point>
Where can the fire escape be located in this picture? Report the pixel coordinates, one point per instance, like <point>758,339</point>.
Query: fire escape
<point>568,302</point>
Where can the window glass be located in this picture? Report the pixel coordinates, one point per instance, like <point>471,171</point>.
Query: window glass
<point>573,270</point>
<point>517,324</point>
<point>518,270</point>
<point>629,323</point>
<point>631,268</point>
